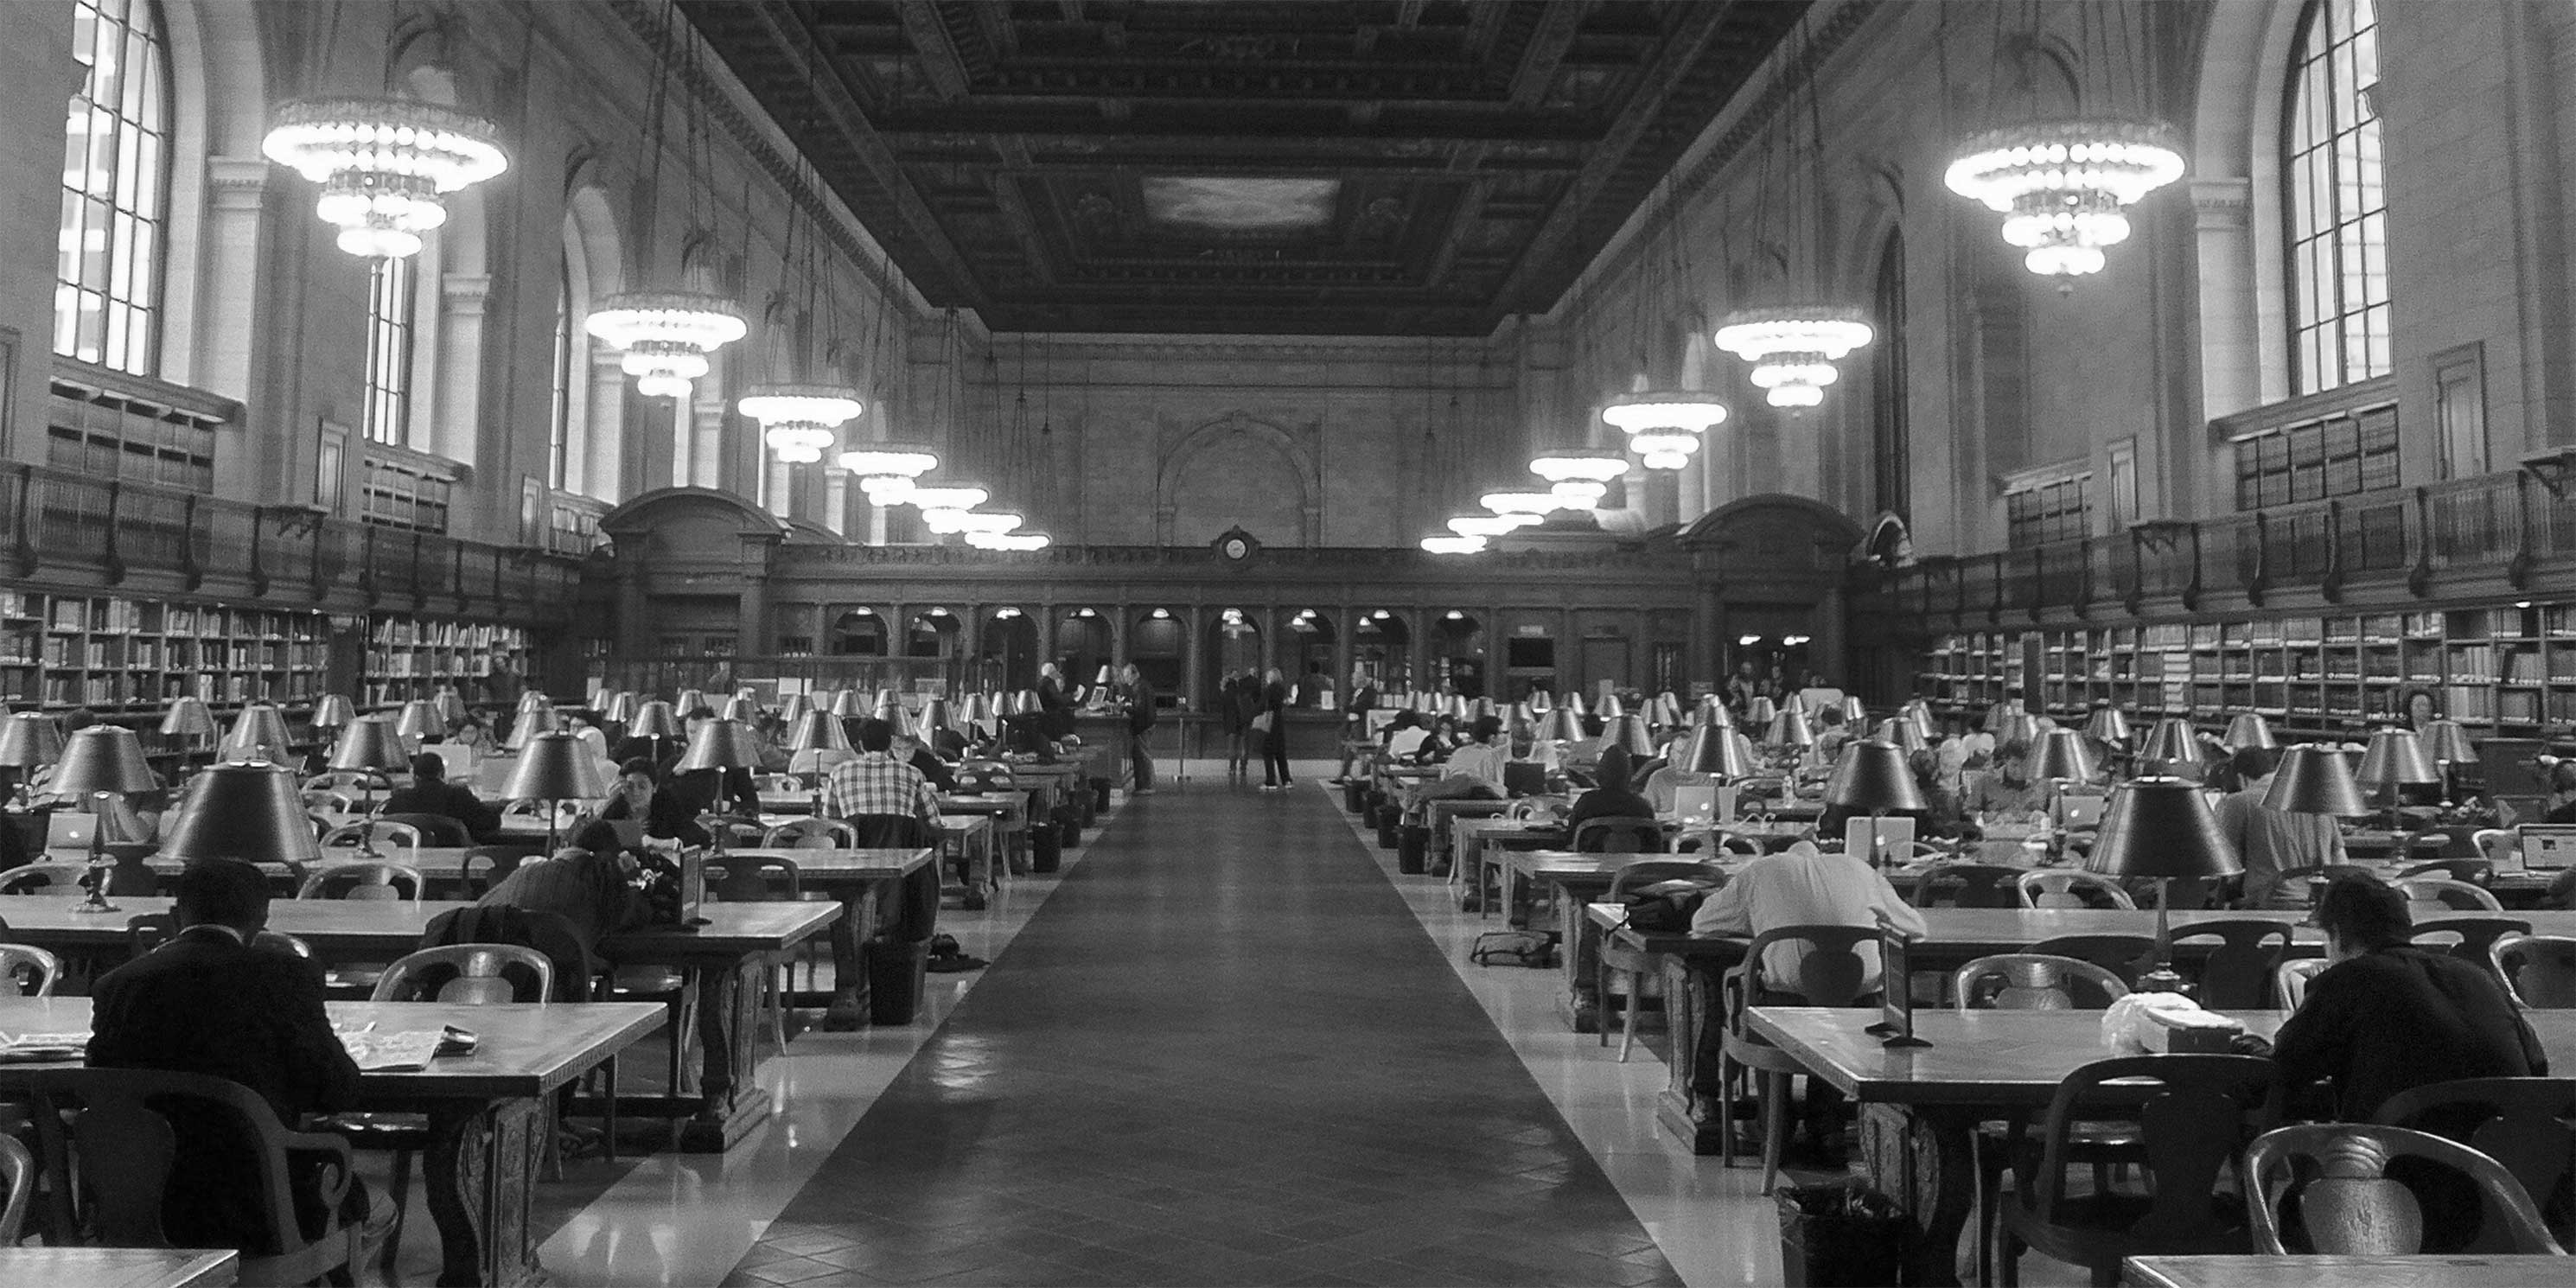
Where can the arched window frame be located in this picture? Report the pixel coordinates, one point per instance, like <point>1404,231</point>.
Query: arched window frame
<point>1891,456</point>
<point>393,306</point>
<point>108,300</point>
<point>2334,204</point>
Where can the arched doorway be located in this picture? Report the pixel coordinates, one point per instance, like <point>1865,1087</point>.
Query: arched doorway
<point>1160,649</point>
<point>1233,644</point>
<point>859,632</point>
<point>1308,660</point>
<point>932,647</point>
<point>1008,657</point>
<point>1082,646</point>
<point>1382,646</point>
<point>1458,653</point>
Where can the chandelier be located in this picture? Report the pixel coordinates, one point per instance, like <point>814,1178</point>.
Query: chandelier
<point>2064,187</point>
<point>798,420</point>
<point>1664,428</point>
<point>1793,349</point>
<point>1486,525</point>
<point>1009,540</point>
<point>993,522</point>
<point>1457,545</point>
<point>962,497</point>
<point>1537,505</point>
<point>886,471</point>
<point>383,165</point>
<point>1578,479</point>
<point>666,336</point>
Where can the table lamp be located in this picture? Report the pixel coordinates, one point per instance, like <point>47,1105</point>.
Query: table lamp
<point>1789,728</point>
<point>817,731</point>
<point>2448,744</point>
<point>259,733</point>
<point>739,708</point>
<point>1029,704</point>
<point>1999,713</point>
<point>1855,713</point>
<point>655,723</point>
<point>1562,727</point>
<point>621,708</point>
<point>449,704</point>
<point>1873,778</point>
<point>333,711</point>
<point>719,745</point>
<point>98,762</point>
<point>1540,703</point>
<point>2162,829</point>
<point>2248,730</point>
<point>2061,756</point>
<point>371,745</point>
<point>1720,753</point>
<point>1760,712</point>
<point>554,767</point>
<point>530,723</point>
<point>888,707</point>
<point>977,710</point>
<point>1712,711</point>
<point>188,719</point>
<point>1920,713</point>
<point>2394,761</point>
<point>1902,732</point>
<point>420,722</point>
<point>2017,725</point>
<point>1630,734</point>
<point>934,717</point>
<point>849,704</point>
<point>244,810</point>
<point>689,700</point>
<point>2315,780</point>
<point>2108,725</point>
<point>2171,744</point>
<point>1574,703</point>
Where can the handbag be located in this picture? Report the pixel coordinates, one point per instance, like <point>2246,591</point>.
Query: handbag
<point>1261,723</point>
<point>1664,908</point>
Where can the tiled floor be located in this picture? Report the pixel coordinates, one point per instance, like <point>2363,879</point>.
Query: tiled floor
<point>1222,1052</point>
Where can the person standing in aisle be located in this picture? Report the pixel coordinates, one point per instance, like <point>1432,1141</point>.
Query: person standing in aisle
<point>1274,740</point>
<point>1140,726</point>
<point>1355,714</point>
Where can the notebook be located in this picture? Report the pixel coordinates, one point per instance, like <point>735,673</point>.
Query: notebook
<point>70,830</point>
<point>2548,847</point>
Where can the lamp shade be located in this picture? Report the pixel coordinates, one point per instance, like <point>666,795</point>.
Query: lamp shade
<point>621,707</point>
<point>719,744</point>
<point>420,720</point>
<point>1789,728</point>
<point>1903,733</point>
<point>370,743</point>
<point>978,709</point>
<point>448,703</point>
<point>1998,713</point>
<point>2395,759</point>
<point>1628,732</point>
<point>2445,741</point>
<point>740,708</point>
<point>1611,707</point>
<point>1872,777</point>
<point>2172,742</point>
<point>188,718</point>
<point>102,758</point>
<point>1855,713</point>
<point>1574,703</point>
<point>1560,725</point>
<point>849,704</point>
<point>1540,703</point>
<point>2016,725</point>
<point>555,767</point>
<point>245,810</point>
<point>28,740</point>
<point>1919,713</point>
<point>2061,754</point>
<point>531,722</point>
<point>817,731</point>
<point>934,717</point>
<point>1760,712</point>
<point>259,733</point>
<point>2314,780</point>
<point>532,700</point>
<point>689,700</point>
<point>2161,828</point>
<point>1712,711</point>
<point>2248,730</point>
<point>654,720</point>
<point>333,711</point>
<point>1721,752</point>
<point>2107,724</point>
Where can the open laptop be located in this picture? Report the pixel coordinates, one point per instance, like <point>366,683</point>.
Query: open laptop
<point>2548,847</point>
<point>1695,804</point>
<point>1879,840</point>
<point>2080,810</point>
<point>70,830</point>
<point>1524,778</point>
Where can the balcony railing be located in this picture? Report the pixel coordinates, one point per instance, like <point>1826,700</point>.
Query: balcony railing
<point>2499,525</point>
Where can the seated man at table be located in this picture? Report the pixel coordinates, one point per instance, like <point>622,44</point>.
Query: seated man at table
<point>878,784</point>
<point>2269,841</point>
<point>1404,737</point>
<point>431,793</point>
<point>2007,793</point>
<point>2387,1016</point>
<point>1473,772</point>
<point>589,884</point>
<point>207,1002</point>
<point>1614,798</point>
<point>1805,886</point>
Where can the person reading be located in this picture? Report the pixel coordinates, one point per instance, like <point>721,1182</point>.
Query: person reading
<point>431,793</point>
<point>2270,841</point>
<point>1614,798</point>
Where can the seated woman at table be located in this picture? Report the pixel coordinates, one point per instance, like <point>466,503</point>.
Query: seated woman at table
<point>1614,798</point>
<point>669,810</point>
<point>590,884</point>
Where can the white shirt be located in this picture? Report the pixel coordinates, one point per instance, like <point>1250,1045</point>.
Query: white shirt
<point>1476,760</point>
<point>818,761</point>
<point>1805,887</point>
<point>1405,742</point>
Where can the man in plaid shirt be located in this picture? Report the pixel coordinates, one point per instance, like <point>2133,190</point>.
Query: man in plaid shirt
<point>877,783</point>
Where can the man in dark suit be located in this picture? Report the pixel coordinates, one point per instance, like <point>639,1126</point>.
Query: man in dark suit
<point>1140,726</point>
<point>208,1002</point>
<point>431,793</point>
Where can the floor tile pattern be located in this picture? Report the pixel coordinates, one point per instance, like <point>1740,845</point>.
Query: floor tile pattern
<point>1223,1052</point>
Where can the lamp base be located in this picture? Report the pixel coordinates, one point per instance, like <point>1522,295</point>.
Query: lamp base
<point>2162,980</point>
<point>96,903</point>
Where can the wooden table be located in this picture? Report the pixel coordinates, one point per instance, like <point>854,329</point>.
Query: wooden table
<point>2456,1270</point>
<point>1578,880</point>
<point>968,838</point>
<point>724,960</point>
<point>1921,1105</point>
<point>1008,816</point>
<point>485,1110</point>
<point>860,881</point>
<point>1474,843</point>
<point>119,1267</point>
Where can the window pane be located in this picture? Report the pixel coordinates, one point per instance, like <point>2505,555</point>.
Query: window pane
<point>2334,196</point>
<point>115,184</point>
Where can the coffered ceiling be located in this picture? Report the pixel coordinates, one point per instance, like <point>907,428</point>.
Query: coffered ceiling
<point>1340,167</point>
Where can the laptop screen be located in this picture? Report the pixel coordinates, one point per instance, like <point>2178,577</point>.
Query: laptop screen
<point>70,830</point>
<point>1695,803</point>
<point>2549,847</point>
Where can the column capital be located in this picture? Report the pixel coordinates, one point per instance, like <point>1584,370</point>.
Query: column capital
<point>2223,203</point>
<point>238,183</point>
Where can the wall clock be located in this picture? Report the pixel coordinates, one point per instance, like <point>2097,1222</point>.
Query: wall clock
<point>1236,546</point>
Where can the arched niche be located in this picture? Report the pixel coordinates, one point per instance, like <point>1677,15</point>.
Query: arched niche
<point>1237,471</point>
<point>1458,652</point>
<point>1007,654</point>
<point>858,632</point>
<point>1233,645</point>
<point>1083,644</point>
<point>1382,647</point>
<point>934,633</point>
<point>1159,647</point>
<point>1307,655</point>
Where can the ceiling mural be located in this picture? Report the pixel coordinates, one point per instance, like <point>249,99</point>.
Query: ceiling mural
<point>1337,167</point>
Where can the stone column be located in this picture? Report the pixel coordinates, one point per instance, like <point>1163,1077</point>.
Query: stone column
<point>751,631</point>
<point>600,459</point>
<point>461,303</point>
<point>228,332</point>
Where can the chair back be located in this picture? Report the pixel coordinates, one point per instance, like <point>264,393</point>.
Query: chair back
<point>278,941</point>
<point>2298,886</point>
<point>2468,938</point>
<point>742,878</point>
<point>28,971</point>
<point>2126,956</point>
<point>2069,888</point>
<point>811,834</point>
<point>2237,975</point>
<point>2034,982</point>
<point>2442,896</point>
<point>146,931</point>
<point>1618,836</point>
<point>368,882</point>
<point>2539,970</point>
<point>355,835</point>
<point>2495,843</point>
<point>1832,973</point>
<point>436,830</point>
<point>43,878</point>
<point>473,974</point>
<point>2478,872</point>
<point>341,780</point>
<point>2527,1124</point>
<point>2194,1114</point>
<point>549,933</point>
<point>485,868</point>
<point>17,1186</point>
<point>890,832</point>
<point>2353,1207</point>
<point>2290,981</point>
<point>1640,873</point>
<point>1969,885</point>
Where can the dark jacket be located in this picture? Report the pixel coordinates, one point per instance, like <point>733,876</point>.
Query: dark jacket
<point>1140,706</point>
<point>448,800</point>
<point>2403,1017</point>
<point>933,768</point>
<point>1610,800</point>
<point>671,815</point>
<point>1274,699</point>
<point>206,1003</point>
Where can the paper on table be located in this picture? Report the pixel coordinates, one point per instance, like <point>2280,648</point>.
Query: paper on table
<point>42,1048</point>
<point>378,1052</point>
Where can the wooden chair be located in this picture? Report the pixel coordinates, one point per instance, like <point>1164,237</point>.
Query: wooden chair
<point>146,931</point>
<point>2290,981</point>
<point>2495,844</point>
<point>437,831</point>
<point>384,882</point>
<point>2527,1124</point>
<point>740,878</point>
<point>2476,872</point>
<point>1969,885</point>
<point>485,867</point>
<point>2069,888</point>
<point>43,878</point>
<point>811,834</point>
<point>2539,970</point>
<point>2194,1113</point>
<point>2368,1212</point>
<point>347,780</point>
<point>17,1189</point>
<point>1618,836</point>
<point>2296,890</point>
<point>2126,956</point>
<point>1832,974</point>
<point>2428,897</point>
<point>399,836</point>
<point>2237,975</point>
<point>28,972</point>
<point>1629,964</point>
<point>2476,936</point>
<point>125,1140</point>
<point>2034,982</point>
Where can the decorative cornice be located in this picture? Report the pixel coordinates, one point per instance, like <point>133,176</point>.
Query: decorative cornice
<point>1624,559</point>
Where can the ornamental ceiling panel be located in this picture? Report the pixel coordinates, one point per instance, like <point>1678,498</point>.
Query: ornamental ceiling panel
<point>1333,167</point>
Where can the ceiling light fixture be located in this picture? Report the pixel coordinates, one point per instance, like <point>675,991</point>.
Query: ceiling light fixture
<point>1537,505</point>
<point>383,165</point>
<point>2064,187</point>
<point>1017,541</point>
<point>1578,479</point>
<point>666,336</point>
<point>988,521</point>
<point>799,422</point>
<point>886,470</point>
<point>1793,349</point>
<point>1483,525</point>
<point>964,496</point>
<point>1459,545</point>
<point>1664,428</point>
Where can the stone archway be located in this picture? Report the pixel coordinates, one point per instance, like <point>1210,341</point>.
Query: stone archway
<point>1238,471</point>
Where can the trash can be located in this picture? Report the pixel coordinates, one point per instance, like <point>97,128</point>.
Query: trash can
<point>1413,845</point>
<point>1046,849</point>
<point>1388,816</point>
<point>1840,1236</point>
<point>896,971</point>
<point>1070,829</point>
<point>1355,796</point>
<point>1099,794</point>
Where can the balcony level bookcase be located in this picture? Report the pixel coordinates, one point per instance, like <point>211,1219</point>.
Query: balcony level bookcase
<point>409,657</point>
<point>124,656</point>
<point>2505,671</point>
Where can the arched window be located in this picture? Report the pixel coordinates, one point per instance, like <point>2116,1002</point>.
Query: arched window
<point>1891,466</point>
<point>390,300</point>
<point>116,185</point>
<point>2335,203</point>
<point>562,406</point>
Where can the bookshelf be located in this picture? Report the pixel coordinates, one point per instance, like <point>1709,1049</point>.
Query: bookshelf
<point>2504,671</point>
<point>129,656</point>
<point>410,657</point>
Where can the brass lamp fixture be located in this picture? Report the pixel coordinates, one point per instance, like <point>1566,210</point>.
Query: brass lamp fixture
<point>450,705</point>
<point>740,708</point>
<point>1629,734</point>
<point>1855,713</point>
<point>243,810</point>
<point>1560,726</point>
<point>1760,712</point>
<point>2108,725</point>
<point>189,720</point>
<point>719,745</point>
<point>2248,730</point>
<point>889,707</point>
<point>620,708</point>
<point>29,742</point>
<point>2395,761</point>
<point>530,723</point>
<point>100,762</point>
<point>655,723</point>
<point>420,722</point>
<point>1712,711</point>
<point>259,733</point>
<point>1873,778</point>
<point>371,745</point>
<point>2448,744</point>
<point>2171,744</point>
<point>2061,756</point>
<point>2162,829</point>
<point>1789,729</point>
<point>2315,780</point>
<point>554,767</point>
<point>1907,737</point>
<point>817,731</point>
<point>1919,713</point>
<point>333,711</point>
<point>689,700</point>
<point>849,704</point>
<point>935,716</point>
<point>1720,753</point>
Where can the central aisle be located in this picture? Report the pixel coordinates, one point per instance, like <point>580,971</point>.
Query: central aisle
<point>1222,1053</point>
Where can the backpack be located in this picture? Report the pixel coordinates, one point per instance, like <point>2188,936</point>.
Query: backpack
<point>1530,948</point>
<point>1664,908</point>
